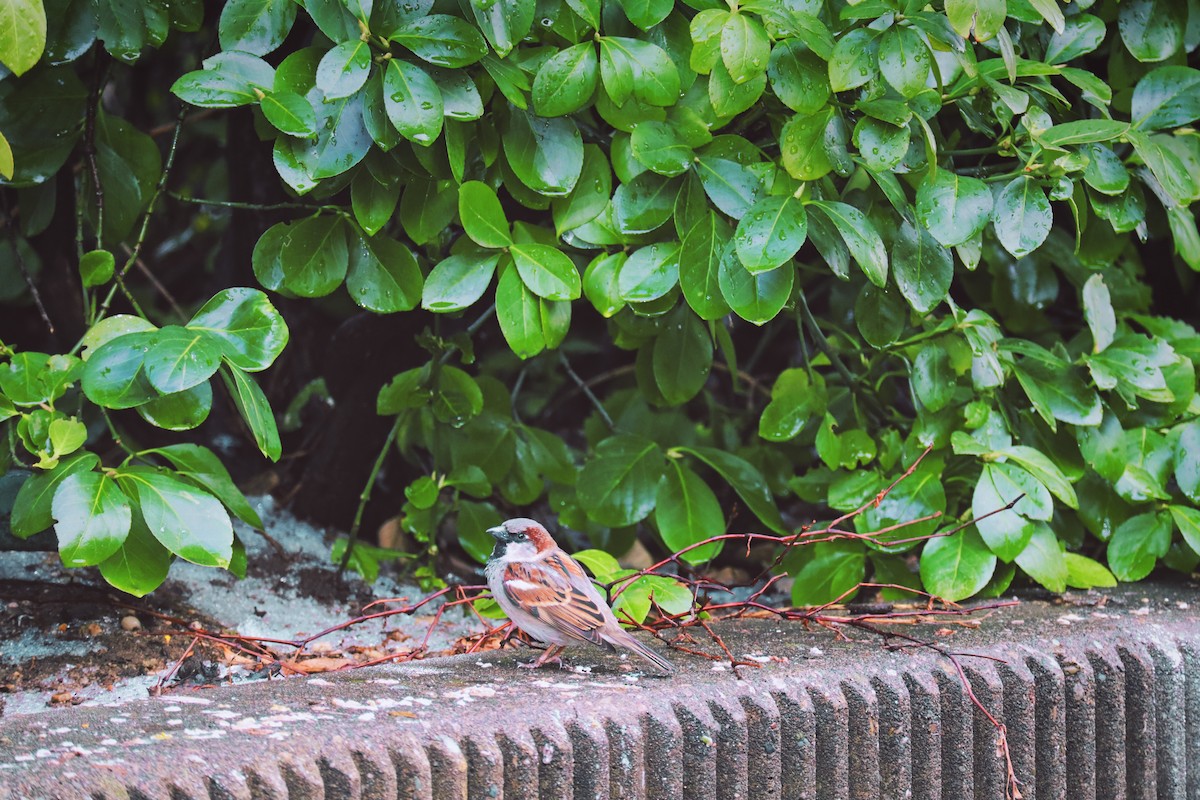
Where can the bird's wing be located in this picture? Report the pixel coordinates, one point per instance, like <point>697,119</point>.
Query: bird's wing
<point>558,592</point>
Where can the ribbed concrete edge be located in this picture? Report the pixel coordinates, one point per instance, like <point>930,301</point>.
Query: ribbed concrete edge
<point>1103,709</point>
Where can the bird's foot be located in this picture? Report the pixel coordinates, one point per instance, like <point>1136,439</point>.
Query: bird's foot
<point>550,656</point>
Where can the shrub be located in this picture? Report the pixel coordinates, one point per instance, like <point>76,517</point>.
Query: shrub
<point>797,244</point>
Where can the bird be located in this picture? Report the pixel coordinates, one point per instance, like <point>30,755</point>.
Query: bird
<point>548,595</point>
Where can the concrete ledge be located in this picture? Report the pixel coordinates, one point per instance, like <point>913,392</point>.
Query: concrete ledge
<point>1098,701</point>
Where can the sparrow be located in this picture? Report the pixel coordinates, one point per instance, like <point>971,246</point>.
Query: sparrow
<point>548,595</point>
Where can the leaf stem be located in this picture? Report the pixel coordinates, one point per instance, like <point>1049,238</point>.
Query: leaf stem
<point>366,493</point>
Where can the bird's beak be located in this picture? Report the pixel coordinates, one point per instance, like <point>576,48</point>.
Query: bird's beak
<point>499,531</point>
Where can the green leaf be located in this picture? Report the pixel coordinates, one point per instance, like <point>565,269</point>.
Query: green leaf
<point>1098,310</point>
<point>686,512</point>
<point>546,271</point>
<point>198,465</point>
<point>344,69</point>
<point>953,207</point>
<point>732,187</point>
<point>920,496</point>
<point>457,398</point>
<point>383,274</point>
<point>179,411</point>
<point>188,521</point>
<point>799,78</point>
<point>92,518</point>
<point>1043,559</point>
<point>746,480</point>
<point>854,60</point>
<point>545,154</point>
<point>1022,216</point>
<point>1137,544</point>
<point>618,484</point>
<point>96,268</point>
<point>1046,471</point>
<point>413,101</point>
<point>113,376</point>
<point>923,268</point>
<point>932,377</point>
<point>1059,393</point>
<point>1080,35</point>
<point>504,24</point>
<point>1153,30</point>
<point>802,142</point>
<point>590,196</point>
<point>519,313</point>
<point>1008,532</point>
<point>646,13</point>
<point>7,166</point>
<point>644,204</point>
<point>253,406</point>
<point>473,521</point>
<point>1188,521</point>
<point>683,354</point>
<point>179,358</point>
<point>699,267</point>
<point>373,200</point>
<point>793,403</point>
<point>1166,97</point>
<point>772,231</point>
<point>315,256</point>
<point>482,216</point>
<point>603,565</point>
<point>290,113</point>
<point>566,81</point>
<point>32,507</point>
<point>458,281</point>
<point>426,208</point>
<point>600,283</point>
<point>745,48</point>
<point>860,237</point>
<point>904,60</point>
<point>1084,573</point>
<point>755,297</point>
<point>22,34</point>
<point>250,331</point>
<point>255,26</point>
<point>212,89</point>
<point>982,18</point>
<point>649,273</point>
<point>140,565</point>
<point>1187,461</point>
<point>1085,131</point>
<point>831,573</point>
<point>641,68</point>
<point>661,148</point>
<point>881,145</point>
<point>460,96</point>
<point>442,40</point>
<point>956,567</point>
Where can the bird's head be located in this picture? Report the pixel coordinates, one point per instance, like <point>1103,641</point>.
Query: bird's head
<point>520,538</point>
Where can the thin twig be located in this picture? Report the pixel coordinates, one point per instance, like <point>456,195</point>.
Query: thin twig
<point>89,137</point>
<point>587,392</point>
<point>33,289</point>
<point>366,493</point>
<point>141,239</point>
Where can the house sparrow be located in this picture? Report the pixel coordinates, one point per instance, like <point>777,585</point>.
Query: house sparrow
<point>548,595</point>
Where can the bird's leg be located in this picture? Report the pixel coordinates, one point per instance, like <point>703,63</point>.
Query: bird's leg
<point>550,654</point>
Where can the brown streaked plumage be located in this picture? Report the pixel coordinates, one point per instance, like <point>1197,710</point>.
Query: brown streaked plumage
<point>548,595</point>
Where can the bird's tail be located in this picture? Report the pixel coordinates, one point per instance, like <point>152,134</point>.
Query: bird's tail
<point>626,639</point>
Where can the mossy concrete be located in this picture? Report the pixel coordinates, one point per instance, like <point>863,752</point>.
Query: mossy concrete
<point>1099,695</point>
